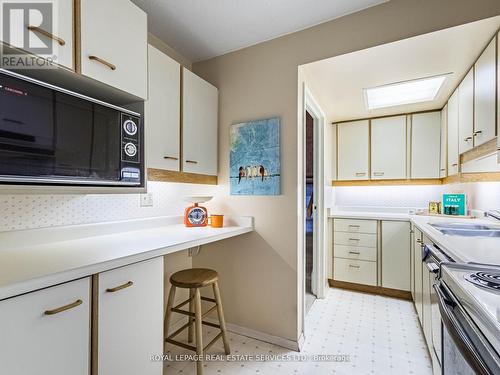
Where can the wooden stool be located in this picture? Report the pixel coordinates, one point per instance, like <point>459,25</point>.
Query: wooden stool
<point>194,279</point>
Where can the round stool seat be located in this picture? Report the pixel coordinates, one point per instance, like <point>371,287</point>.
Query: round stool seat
<point>194,278</point>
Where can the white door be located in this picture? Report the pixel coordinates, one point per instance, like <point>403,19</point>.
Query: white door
<point>114,44</point>
<point>199,124</point>
<point>163,112</point>
<point>388,148</point>
<point>130,319</point>
<point>466,113</point>
<point>453,134</point>
<point>353,147</point>
<point>443,152</point>
<point>485,95</point>
<point>47,331</point>
<point>425,145</point>
<point>396,255</point>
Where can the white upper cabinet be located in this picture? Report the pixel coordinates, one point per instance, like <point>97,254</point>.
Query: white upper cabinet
<point>163,112</point>
<point>466,113</point>
<point>114,44</point>
<point>485,95</point>
<point>443,152</point>
<point>453,134</point>
<point>47,331</point>
<point>352,147</point>
<point>425,145</point>
<point>388,148</point>
<point>199,131</point>
<point>130,319</point>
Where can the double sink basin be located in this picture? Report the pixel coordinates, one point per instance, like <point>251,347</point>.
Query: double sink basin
<point>467,229</point>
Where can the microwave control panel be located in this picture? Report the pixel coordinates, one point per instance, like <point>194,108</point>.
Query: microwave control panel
<point>130,143</point>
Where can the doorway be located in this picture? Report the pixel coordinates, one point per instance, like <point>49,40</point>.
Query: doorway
<point>310,208</point>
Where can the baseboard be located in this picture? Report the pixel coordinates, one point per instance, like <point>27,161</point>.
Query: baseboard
<point>401,294</point>
<point>261,336</point>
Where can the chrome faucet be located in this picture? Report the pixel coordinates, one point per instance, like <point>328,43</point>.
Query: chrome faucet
<point>493,213</point>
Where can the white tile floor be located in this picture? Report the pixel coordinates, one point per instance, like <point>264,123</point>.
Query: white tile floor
<point>380,335</point>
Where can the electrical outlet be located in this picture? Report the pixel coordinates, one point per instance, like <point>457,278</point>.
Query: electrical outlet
<point>147,200</point>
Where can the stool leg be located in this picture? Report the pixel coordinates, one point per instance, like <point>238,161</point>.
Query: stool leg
<point>168,314</point>
<point>199,333</point>
<point>191,309</point>
<point>220,313</point>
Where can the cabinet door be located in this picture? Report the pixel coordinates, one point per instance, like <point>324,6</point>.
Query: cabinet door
<point>130,319</point>
<point>63,29</point>
<point>466,113</point>
<point>485,95</point>
<point>453,134</point>
<point>353,147</point>
<point>443,152</point>
<point>114,44</point>
<point>425,145</point>
<point>163,112</point>
<point>396,255</point>
<point>412,261</point>
<point>417,263</point>
<point>388,148</point>
<point>35,342</point>
<point>199,125</point>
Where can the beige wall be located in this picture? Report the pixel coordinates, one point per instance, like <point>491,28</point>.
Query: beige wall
<point>259,271</point>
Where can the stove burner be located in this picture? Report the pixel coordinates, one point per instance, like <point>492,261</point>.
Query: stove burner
<point>485,280</point>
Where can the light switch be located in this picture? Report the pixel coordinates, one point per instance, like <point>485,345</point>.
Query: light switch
<point>147,200</point>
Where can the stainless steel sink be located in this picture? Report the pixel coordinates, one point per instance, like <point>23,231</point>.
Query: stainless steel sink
<point>467,229</point>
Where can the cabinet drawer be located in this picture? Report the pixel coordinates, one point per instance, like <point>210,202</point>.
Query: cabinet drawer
<point>355,252</point>
<point>355,239</point>
<point>355,226</point>
<point>47,331</point>
<point>355,271</point>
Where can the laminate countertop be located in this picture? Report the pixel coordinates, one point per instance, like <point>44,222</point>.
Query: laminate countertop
<point>38,258</point>
<point>484,250</point>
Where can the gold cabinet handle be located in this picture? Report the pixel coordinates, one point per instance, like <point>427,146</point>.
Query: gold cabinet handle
<point>476,133</point>
<point>454,164</point>
<point>359,174</point>
<point>102,61</point>
<point>352,266</point>
<point>418,240</point>
<point>120,287</point>
<point>38,30</point>
<point>467,139</point>
<point>353,226</point>
<point>353,239</point>
<point>170,158</point>
<point>191,161</point>
<point>58,310</point>
<point>378,173</point>
<point>354,252</point>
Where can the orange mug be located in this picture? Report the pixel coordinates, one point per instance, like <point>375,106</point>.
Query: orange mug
<point>216,221</point>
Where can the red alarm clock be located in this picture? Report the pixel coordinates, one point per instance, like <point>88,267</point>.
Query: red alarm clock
<point>196,215</point>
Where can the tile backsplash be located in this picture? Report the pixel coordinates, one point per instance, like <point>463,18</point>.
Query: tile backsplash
<point>44,210</point>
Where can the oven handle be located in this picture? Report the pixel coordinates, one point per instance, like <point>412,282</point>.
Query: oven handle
<point>457,333</point>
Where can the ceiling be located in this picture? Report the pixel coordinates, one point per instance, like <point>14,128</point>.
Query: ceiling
<point>338,82</point>
<point>201,29</point>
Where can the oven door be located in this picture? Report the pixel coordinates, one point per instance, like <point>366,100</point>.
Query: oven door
<point>49,136</point>
<point>464,349</point>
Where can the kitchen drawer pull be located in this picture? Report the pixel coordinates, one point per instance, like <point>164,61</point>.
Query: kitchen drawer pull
<point>120,287</point>
<point>353,266</point>
<point>102,61</point>
<point>354,239</point>
<point>442,169</point>
<point>454,164</point>
<point>477,132</point>
<point>353,226</point>
<point>378,173</point>
<point>38,30</point>
<point>354,252</point>
<point>170,158</point>
<point>358,174</point>
<point>192,161</point>
<point>467,139</point>
<point>78,302</point>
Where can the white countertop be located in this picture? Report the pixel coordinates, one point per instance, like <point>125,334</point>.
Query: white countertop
<point>38,258</point>
<point>461,249</point>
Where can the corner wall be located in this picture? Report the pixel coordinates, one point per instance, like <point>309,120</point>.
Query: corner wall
<point>258,272</point>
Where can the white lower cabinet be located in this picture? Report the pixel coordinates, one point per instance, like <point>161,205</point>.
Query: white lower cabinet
<point>130,319</point>
<point>47,331</point>
<point>355,271</point>
<point>417,271</point>
<point>396,255</point>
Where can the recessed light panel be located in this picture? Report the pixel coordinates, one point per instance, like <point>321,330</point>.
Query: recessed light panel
<point>408,92</point>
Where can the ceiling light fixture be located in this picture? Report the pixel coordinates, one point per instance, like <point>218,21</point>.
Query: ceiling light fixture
<point>407,92</point>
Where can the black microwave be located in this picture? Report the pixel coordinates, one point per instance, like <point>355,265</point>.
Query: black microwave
<point>49,135</point>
